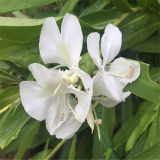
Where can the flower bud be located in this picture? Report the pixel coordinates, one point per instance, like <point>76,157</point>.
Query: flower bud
<point>74,78</point>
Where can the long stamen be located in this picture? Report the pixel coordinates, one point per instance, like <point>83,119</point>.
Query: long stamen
<point>60,84</point>
<point>62,117</point>
<point>74,114</point>
<point>99,134</point>
<point>128,75</point>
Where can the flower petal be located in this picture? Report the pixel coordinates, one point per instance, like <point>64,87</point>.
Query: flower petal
<point>105,101</point>
<point>84,102</point>
<point>45,77</point>
<point>122,66</point>
<point>107,86</point>
<point>35,99</point>
<point>90,119</point>
<point>50,39</point>
<point>93,48</point>
<point>110,43</point>
<point>86,79</point>
<point>55,113</point>
<point>72,37</point>
<point>68,128</point>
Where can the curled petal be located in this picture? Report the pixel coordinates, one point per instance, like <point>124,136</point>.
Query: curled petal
<point>57,114</point>
<point>107,86</point>
<point>90,119</point>
<point>86,79</point>
<point>125,67</point>
<point>111,43</point>
<point>68,128</point>
<point>35,99</point>
<point>93,48</point>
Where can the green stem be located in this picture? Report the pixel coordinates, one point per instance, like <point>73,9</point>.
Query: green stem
<point>95,104</point>
<point>121,18</point>
<point>55,149</point>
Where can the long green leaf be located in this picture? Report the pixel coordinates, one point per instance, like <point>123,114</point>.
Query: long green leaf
<point>9,6</point>
<point>68,7</point>
<point>155,74</point>
<point>151,153</point>
<point>9,96</point>
<point>97,6</point>
<point>144,87</point>
<point>126,130</point>
<point>28,138</point>
<point>73,148</point>
<point>11,124</point>
<point>146,120</point>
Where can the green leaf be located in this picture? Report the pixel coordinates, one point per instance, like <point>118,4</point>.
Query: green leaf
<point>40,137</point>
<point>39,155</point>
<point>73,148</point>
<point>149,90</point>
<point>158,1</point>
<point>146,120</point>
<point>11,124</point>
<point>150,45</point>
<point>137,27</point>
<point>121,5</point>
<point>127,110</point>
<point>101,18</point>
<point>154,133</point>
<point>9,96</point>
<point>22,53</point>
<point>155,74</point>
<point>8,6</point>
<point>68,7</point>
<point>151,153</point>
<point>108,119</point>
<point>20,30</point>
<point>138,148</point>
<point>126,130</point>
<point>87,64</point>
<point>144,3</point>
<point>27,139</point>
<point>97,6</point>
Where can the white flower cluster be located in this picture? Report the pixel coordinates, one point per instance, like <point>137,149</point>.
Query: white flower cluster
<point>56,96</point>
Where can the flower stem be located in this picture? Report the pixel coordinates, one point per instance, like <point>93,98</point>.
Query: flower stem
<point>55,149</point>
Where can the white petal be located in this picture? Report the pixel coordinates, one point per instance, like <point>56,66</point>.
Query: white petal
<point>93,48</point>
<point>35,99</point>
<point>126,94</point>
<point>105,101</point>
<point>54,116</point>
<point>50,40</point>
<point>68,128</point>
<point>84,102</point>
<point>90,119</point>
<point>111,43</point>
<point>107,86</point>
<point>72,37</point>
<point>45,77</point>
<point>122,66</point>
<point>86,79</point>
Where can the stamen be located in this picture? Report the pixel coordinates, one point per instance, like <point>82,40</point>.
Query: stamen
<point>98,130</point>
<point>98,121</point>
<point>62,117</point>
<point>74,114</point>
<point>58,88</point>
<point>128,75</point>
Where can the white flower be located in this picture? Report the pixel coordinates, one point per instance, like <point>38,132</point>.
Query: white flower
<point>50,98</point>
<point>111,80</point>
<point>64,48</point>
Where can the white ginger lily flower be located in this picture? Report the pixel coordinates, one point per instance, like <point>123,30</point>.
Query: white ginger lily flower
<point>110,80</point>
<point>64,48</point>
<point>50,99</point>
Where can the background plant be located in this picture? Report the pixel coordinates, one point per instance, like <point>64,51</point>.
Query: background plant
<point>131,129</point>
